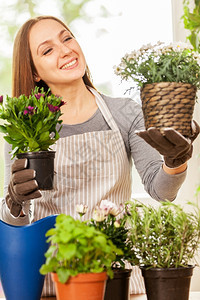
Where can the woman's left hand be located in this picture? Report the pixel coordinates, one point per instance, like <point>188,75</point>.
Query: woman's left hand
<point>175,148</point>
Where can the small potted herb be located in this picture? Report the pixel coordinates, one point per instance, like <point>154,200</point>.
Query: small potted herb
<point>31,129</point>
<point>168,77</point>
<point>110,219</point>
<point>79,259</point>
<point>165,242</point>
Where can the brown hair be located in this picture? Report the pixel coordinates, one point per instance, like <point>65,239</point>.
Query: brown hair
<point>23,68</point>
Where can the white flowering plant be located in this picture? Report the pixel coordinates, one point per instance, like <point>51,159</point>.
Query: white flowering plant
<point>30,121</point>
<point>176,62</point>
<point>110,219</point>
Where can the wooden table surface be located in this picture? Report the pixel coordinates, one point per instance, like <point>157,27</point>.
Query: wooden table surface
<point>193,296</point>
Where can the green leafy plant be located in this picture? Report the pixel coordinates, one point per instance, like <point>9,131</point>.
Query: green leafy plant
<point>191,21</point>
<point>163,237</point>
<point>176,62</point>
<point>77,248</point>
<point>111,220</point>
<point>31,121</point>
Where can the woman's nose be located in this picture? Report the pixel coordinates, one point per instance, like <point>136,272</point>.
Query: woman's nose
<point>64,50</point>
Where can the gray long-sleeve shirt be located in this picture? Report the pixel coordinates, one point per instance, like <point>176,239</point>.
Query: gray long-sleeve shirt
<point>148,162</point>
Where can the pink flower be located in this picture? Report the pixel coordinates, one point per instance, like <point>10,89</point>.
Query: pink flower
<point>29,110</point>
<point>1,99</point>
<point>61,103</point>
<point>53,108</point>
<point>109,207</point>
<point>37,96</point>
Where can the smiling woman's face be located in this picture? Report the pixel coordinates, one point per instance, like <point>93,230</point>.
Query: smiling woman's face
<point>56,54</point>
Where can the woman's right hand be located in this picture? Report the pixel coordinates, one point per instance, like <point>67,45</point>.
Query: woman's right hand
<point>22,187</point>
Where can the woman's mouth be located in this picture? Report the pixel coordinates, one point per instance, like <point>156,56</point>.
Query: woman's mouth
<point>70,64</point>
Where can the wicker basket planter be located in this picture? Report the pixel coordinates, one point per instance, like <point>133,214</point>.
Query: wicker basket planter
<point>169,104</point>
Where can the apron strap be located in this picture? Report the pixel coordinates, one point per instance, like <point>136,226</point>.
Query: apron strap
<point>104,109</point>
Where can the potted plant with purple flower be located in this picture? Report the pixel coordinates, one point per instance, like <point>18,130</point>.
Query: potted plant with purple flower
<point>31,128</point>
<point>111,219</point>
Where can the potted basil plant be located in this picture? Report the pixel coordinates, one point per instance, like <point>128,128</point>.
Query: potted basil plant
<point>79,259</point>
<point>31,129</point>
<point>165,242</point>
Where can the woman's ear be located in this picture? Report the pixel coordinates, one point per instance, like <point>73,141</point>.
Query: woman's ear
<point>36,78</point>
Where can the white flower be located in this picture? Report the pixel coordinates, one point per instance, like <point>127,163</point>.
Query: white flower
<point>99,214</point>
<point>114,211</point>
<point>150,63</point>
<point>81,209</point>
<point>109,207</point>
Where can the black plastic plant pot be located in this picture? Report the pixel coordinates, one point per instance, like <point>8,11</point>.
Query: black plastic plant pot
<point>118,287</point>
<point>167,284</point>
<point>43,163</point>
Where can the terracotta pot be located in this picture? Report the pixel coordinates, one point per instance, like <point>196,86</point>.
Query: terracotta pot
<point>167,284</point>
<point>84,286</point>
<point>43,163</point>
<point>118,287</point>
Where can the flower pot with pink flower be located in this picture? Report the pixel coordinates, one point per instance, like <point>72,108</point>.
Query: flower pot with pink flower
<point>110,219</point>
<point>31,129</point>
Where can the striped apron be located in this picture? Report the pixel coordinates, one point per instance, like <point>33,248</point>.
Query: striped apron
<point>89,167</point>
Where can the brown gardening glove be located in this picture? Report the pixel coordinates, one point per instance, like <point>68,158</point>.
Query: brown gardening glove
<point>175,148</point>
<point>22,187</point>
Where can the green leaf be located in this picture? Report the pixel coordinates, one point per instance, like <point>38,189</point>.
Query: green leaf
<point>39,126</point>
<point>32,144</point>
<point>14,133</point>
<point>64,237</point>
<point>63,275</point>
<point>9,140</point>
<point>3,129</point>
<point>67,251</point>
<point>44,136</point>
<point>101,240</point>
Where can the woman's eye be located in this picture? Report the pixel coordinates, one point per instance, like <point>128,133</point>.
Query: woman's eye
<point>67,39</point>
<point>47,51</point>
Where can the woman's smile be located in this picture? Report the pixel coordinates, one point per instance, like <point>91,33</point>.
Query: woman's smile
<point>70,65</point>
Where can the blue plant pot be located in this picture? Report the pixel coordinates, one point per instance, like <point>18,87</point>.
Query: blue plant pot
<point>22,251</point>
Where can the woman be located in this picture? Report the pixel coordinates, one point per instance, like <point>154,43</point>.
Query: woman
<point>99,139</point>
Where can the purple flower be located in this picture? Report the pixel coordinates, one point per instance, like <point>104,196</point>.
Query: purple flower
<point>53,108</point>
<point>29,110</point>
<point>61,103</point>
<point>1,99</point>
<point>37,96</point>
